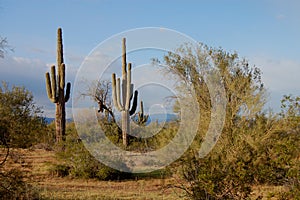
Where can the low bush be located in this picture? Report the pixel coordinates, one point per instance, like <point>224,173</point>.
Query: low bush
<point>76,161</point>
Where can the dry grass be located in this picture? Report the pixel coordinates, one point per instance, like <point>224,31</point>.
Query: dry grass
<point>65,188</point>
<point>36,164</point>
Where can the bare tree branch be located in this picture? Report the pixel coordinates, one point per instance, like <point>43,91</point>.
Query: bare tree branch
<point>4,47</point>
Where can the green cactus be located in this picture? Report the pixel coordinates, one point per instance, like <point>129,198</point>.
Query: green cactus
<point>140,118</point>
<point>56,90</point>
<point>123,103</point>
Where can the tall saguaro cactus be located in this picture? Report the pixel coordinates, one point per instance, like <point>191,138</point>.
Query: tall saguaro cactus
<point>122,103</point>
<point>56,90</point>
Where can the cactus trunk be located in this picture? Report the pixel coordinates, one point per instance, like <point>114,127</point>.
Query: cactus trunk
<point>56,90</point>
<point>60,122</point>
<point>60,117</point>
<point>125,126</point>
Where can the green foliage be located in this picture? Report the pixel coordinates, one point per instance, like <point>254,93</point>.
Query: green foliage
<point>211,178</point>
<point>290,106</point>
<point>20,121</point>
<point>13,186</point>
<point>60,170</point>
<point>253,148</point>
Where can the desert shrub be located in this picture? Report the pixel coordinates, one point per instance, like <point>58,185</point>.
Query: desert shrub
<point>78,162</point>
<point>20,127</point>
<point>13,186</point>
<point>255,147</point>
<point>226,172</point>
<point>210,179</point>
<point>20,117</point>
<point>59,170</point>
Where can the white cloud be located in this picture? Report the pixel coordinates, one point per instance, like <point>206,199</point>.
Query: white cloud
<point>30,73</point>
<point>279,76</point>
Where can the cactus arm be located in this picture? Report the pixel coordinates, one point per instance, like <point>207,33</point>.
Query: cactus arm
<point>49,89</point>
<point>118,92</point>
<point>68,90</point>
<point>142,118</point>
<point>142,109</point>
<point>134,105</point>
<point>114,93</point>
<point>53,82</point>
<point>128,87</point>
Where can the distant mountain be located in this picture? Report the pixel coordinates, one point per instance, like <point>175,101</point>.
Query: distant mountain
<point>153,118</point>
<point>50,120</point>
<point>162,117</point>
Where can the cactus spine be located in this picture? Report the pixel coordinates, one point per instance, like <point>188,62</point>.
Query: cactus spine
<point>56,90</point>
<point>122,103</point>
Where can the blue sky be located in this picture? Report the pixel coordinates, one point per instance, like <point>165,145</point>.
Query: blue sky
<point>266,32</point>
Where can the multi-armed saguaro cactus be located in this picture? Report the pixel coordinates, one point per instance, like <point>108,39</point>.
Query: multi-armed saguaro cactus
<point>56,90</point>
<point>122,103</point>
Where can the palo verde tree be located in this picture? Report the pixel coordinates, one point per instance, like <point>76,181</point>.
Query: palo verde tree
<point>227,171</point>
<point>56,90</point>
<point>122,103</point>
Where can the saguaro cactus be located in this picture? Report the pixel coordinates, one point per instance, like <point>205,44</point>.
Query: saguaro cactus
<point>122,103</point>
<point>56,90</point>
<point>141,117</point>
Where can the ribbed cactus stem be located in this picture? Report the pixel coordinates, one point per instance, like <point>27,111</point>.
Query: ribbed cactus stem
<point>50,94</point>
<point>142,118</point>
<point>119,105</point>
<point>53,82</point>
<point>122,99</point>
<point>55,85</point>
<point>142,108</point>
<point>128,88</point>
<point>68,91</point>
<point>124,62</point>
<point>114,91</point>
<point>134,105</point>
<point>62,76</point>
<point>60,56</point>
<point>124,72</point>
